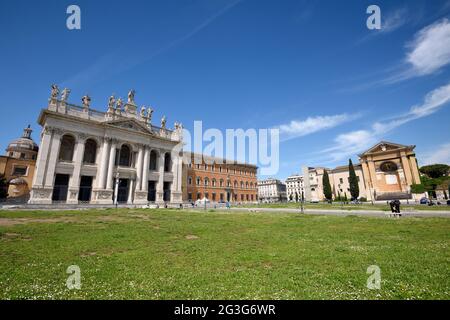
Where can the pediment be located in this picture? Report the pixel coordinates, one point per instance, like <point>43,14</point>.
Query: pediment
<point>385,146</point>
<point>129,124</point>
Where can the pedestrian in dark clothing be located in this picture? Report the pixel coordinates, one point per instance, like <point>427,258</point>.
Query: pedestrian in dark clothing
<point>397,207</point>
<point>392,205</point>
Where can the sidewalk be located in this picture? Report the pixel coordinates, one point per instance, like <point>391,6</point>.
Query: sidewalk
<point>373,213</point>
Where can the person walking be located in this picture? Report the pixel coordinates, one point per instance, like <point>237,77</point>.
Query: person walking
<point>397,207</point>
<point>392,205</point>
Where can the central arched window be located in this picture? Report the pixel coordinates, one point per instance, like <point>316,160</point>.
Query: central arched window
<point>153,160</point>
<point>167,162</point>
<point>90,151</point>
<point>125,156</point>
<point>67,147</point>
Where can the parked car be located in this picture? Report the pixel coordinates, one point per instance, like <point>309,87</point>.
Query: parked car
<point>424,201</point>
<point>448,202</point>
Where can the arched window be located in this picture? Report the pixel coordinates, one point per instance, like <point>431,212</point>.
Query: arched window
<point>125,156</point>
<point>190,181</point>
<point>213,182</point>
<point>246,185</point>
<point>242,185</point>
<point>235,184</point>
<point>221,182</point>
<point>206,181</point>
<point>67,147</point>
<point>167,162</point>
<point>198,181</point>
<point>90,151</point>
<point>153,160</point>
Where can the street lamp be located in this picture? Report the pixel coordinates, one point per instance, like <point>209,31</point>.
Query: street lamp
<point>204,194</point>
<point>301,204</point>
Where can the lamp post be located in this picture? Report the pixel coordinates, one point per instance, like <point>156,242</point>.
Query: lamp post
<point>301,204</point>
<point>204,194</point>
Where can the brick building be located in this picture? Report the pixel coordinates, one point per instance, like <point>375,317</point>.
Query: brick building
<point>218,180</point>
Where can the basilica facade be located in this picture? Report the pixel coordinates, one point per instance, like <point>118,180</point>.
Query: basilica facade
<point>116,156</point>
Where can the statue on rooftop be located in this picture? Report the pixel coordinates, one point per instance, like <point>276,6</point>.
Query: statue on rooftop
<point>55,91</point>
<point>149,115</point>
<point>86,100</point>
<point>111,102</point>
<point>131,96</point>
<point>163,122</point>
<point>65,94</point>
<point>119,104</point>
<point>143,112</point>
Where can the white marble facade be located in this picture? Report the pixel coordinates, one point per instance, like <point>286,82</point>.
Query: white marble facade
<point>101,157</point>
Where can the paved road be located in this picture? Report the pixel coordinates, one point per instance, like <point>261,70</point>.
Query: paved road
<point>372,213</point>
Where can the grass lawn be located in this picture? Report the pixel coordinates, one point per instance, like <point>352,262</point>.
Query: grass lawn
<point>338,206</point>
<point>171,254</point>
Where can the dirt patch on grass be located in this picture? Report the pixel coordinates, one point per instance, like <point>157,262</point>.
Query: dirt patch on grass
<point>88,254</point>
<point>16,221</point>
<point>14,236</point>
<point>191,237</point>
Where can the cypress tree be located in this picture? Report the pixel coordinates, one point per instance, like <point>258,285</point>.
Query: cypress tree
<point>353,181</point>
<point>327,186</point>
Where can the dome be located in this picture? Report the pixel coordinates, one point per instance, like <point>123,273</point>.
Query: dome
<point>24,143</point>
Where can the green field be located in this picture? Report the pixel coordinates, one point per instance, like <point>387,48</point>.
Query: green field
<point>172,254</point>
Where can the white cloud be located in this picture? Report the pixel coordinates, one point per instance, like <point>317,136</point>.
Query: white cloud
<point>394,20</point>
<point>430,50</point>
<point>440,154</point>
<point>299,128</point>
<point>349,144</point>
<point>433,101</point>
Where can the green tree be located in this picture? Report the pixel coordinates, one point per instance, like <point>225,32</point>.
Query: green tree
<point>327,186</point>
<point>3,187</point>
<point>353,181</point>
<point>435,170</point>
<point>418,188</point>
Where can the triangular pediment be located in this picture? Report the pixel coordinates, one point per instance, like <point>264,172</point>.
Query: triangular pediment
<point>385,146</point>
<point>129,124</point>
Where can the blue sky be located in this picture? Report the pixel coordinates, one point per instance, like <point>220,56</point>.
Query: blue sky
<point>311,68</point>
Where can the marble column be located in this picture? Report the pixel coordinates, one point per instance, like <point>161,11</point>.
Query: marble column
<point>140,195</point>
<point>160,186</point>
<point>112,160</point>
<point>39,194</point>
<point>103,167</point>
<point>139,167</point>
<point>176,193</point>
<point>74,183</point>
<point>130,192</point>
<point>53,159</point>
<point>144,184</point>
<point>41,161</point>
